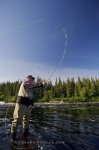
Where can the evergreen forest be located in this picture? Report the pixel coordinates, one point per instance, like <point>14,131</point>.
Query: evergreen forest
<point>81,90</point>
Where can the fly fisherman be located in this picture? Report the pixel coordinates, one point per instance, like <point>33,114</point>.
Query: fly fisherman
<point>24,102</point>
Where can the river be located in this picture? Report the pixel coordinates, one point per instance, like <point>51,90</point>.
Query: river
<point>56,127</point>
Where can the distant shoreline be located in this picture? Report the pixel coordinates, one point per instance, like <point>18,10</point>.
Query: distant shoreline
<point>50,103</point>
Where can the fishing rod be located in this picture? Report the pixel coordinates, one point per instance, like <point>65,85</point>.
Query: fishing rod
<point>63,55</point>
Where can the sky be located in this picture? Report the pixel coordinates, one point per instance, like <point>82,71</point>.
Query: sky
<point>49,39</point>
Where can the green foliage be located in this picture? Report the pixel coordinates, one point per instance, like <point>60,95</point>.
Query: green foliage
<point>2,96</point>
<point>10,99</point>
<point>83,90</point>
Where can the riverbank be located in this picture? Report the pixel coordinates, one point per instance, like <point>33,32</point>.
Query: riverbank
<point>50,103</point>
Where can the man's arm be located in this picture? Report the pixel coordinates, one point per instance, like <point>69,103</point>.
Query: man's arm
<point>29,85</point>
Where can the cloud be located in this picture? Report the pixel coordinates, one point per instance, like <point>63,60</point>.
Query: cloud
<point>64,73</point>
<point>15,70</point>
<point>20,27</point>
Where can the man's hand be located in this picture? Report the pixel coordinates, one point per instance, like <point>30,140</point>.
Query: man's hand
<point>45,83</point>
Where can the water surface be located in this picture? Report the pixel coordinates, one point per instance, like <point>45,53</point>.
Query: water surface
<point>57,127</point>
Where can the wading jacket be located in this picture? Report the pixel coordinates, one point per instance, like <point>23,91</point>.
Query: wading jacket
<point>25,94</point>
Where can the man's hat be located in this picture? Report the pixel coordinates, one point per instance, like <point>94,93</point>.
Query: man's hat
<point>30,77</point>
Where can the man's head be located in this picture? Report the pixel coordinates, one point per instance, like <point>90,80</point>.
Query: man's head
<point>30,77</point>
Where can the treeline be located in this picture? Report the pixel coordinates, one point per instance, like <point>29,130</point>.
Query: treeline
<point>84,89</point>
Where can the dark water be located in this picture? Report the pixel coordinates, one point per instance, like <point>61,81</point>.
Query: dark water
<point>57,127</point>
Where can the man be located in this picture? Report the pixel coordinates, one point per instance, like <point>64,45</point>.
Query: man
<point>22,108</point>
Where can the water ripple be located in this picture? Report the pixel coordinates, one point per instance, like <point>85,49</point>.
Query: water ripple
<point>59,127</point>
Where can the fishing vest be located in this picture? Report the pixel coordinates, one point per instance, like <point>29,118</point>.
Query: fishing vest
<point>26,92</point>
